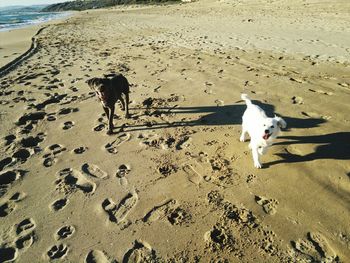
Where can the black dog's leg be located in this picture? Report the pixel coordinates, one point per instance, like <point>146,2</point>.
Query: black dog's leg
<point>106,111</point>
<point>110,117</point>
<point>122,102</point>
<point>127,105</point>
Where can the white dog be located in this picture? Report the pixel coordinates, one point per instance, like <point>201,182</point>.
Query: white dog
<point>261,129</point>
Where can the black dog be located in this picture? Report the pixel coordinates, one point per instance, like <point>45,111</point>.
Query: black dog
<point>109,90</point>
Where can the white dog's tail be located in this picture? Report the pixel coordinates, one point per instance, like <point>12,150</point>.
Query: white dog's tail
<point>246,99</point>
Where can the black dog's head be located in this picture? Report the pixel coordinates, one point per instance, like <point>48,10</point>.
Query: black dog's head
<point>94,82</point>
<point>99,85</point>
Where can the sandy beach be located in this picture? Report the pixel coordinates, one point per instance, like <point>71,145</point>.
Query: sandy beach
<point>174,183</point>
<point>13,43</point>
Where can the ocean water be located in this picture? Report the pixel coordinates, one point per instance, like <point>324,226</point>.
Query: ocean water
<point>21,16</point>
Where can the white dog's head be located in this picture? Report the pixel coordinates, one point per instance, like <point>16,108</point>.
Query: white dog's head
<point>270,127</point>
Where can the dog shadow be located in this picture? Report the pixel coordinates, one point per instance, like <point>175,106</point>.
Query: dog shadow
<point>213,116</point>
<point>334,146</point>
<point>206,116</point>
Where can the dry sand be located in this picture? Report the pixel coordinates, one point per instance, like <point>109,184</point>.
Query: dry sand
<point>174,184</point>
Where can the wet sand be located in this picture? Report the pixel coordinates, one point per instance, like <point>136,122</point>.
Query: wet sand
<point>13,43</point>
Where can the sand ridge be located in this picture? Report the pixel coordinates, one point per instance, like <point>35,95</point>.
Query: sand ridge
<point>174,184</point>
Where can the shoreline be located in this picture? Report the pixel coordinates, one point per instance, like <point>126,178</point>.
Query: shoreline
<point>16,42</point>
<point>32,49</point>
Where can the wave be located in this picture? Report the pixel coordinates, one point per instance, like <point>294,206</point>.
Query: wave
<point>21,18</point>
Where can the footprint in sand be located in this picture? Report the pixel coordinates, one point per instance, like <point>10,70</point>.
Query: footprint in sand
<point>9,206</point>
<point>49,161</point>
<point>6,162</point>
<point>8,178</point>
<point>101,119</point>
<point>141,252</point>
<point>56,149</point>
<point>122,171</point>
<point>112,147</point>
<point>18,196</point>
<point>315,248</point>
<point>269,205</point>
<point>4,102</point>
<point>64,232</point>
<point>299,80</point>
<point>118,213</point>
<point>167,169</point>
<point>99,127</point>
<point>68,125</point>
<point>65,111</point>
<point>51,117</point>
<point>94,171</point>
<point>219,238</point>
<point>208,91</point>
<point>31,141</point>
<point>151,140</point>
<point>184,143</point>
<point>59,204</point>
<point>322,92</point>
<point>26,241</point>
<point>8,254</point>
<point>192,175</point>
<point>28,128</point>
<point>80,150</point>
<point>71,180</point>
<point>297,100</point>
<point>179,216</point>
<point>26,225</point>
<point>316,115</point>
<point>6,209</point>
<point>57,251</point>
<point>203,157</point>
<point>160,211</point>
<point>25,233</point>
<point>219,102</point>
<point>31,118</point>
<point>22,155</point>
<point>97,256</point>
<point>9,139</point>
<point>251,178</point>
<point>50,157</point>
<point>169,142</point>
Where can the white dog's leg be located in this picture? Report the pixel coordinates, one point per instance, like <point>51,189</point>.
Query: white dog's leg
<point>255,153</point>
<point>262,150</point>
<point>242,138</point>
